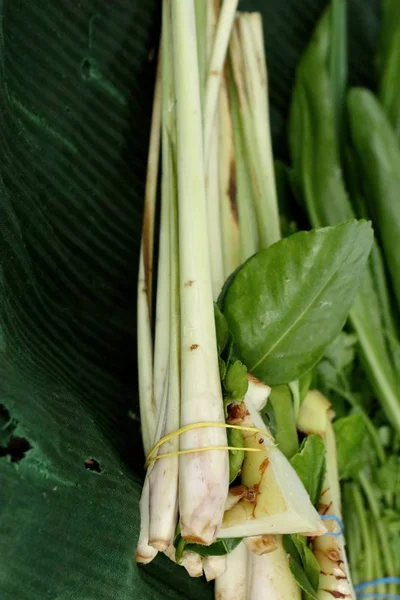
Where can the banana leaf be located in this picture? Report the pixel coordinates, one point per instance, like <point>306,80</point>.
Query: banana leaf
<point>76,84</point>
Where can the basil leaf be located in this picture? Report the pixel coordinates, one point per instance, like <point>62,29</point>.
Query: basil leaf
<point>291,548</point>
<point>219,548</point>
<point>302,579</point>
<point>235,381</point>
<point>286,303</point>
<point>309,464</point>
<point>221,329</point>
<point>350,433</point>
<point>236,457</point>
<point>311,567</point>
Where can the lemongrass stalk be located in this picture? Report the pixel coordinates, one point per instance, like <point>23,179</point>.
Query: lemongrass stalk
<point>257,392</point>
<point>203,484</point>
<point>249,242</point>
<point>215,69</point>
<point>163,474</point>
<point>279,502</point>
<point>201,9</point>
<point>232,585</point>
<point>269,576</point>
<point>256,77</point>
<point>144,299</point>
<point>379,571</point>
<point>228,184</point>
<point>144,552</point>
<point>335,580</point>
<point>214,566</point>
<point>192,562</point>
<point>264,194</point>
<point>261,544</point>
<point>213,216</point>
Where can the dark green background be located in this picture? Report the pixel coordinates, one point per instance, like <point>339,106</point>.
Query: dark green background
<point>75,100</point>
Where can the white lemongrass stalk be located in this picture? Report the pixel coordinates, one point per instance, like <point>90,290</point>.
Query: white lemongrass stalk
<point>144,299</point>
<point>257,392</point>
<point>269,576</point>
<point>335,580</point>
<point>203,484</point>
<point>228,183</point>
<point>232,584</point>
<point>234,495</point>
<point>144,552</point>
<point>214,566</point>
<point>279,502</point>
<point>163,474</point>
<point>215,69</point>
<point>268,228</point>
<point>256,77</point>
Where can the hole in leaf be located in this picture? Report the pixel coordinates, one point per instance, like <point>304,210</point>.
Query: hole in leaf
<point>4,416</point>
<point>16,448</point>
<point>92,465</point>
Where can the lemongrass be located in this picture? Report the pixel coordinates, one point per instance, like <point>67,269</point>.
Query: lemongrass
<point>279,503</point>
<point>261,544</point>
<point>256,77</point>
<point>235,494</point>
<point>214,566</point>
<point>144,302</point>
<point>228,184</point>
<point>215,69</point>
<point>232,585</point>
<point>163,475</point>
<point>263,188</point>
<point>269,576</point>
<point>335,580</point>
<point>144,552</point>
<point>257,392</point>
<point>248,229</point>
<point>203,489</point>
<point>192,562</point>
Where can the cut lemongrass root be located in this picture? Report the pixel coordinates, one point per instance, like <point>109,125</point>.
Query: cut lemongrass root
<point>279,502</point>
<point>232,584</point>
<point>214,566</point>
<point>269,576</point>
<point>204,488</point>
<point>334,581</point>
<point>163,475</point>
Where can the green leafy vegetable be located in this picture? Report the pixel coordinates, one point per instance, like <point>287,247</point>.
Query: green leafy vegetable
<point>309,464</point>
<point>286,303</point>
<point>378,156</point>
<point>350,434</point>
<point>389,62</point>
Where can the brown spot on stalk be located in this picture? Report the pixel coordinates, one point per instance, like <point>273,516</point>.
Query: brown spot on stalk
<point>334,556</point>
<point>264,465</point>
<point>261,544</point>
<point>324,491</point>
<point>237,412</point>
<point>323,508</point>
<point>189,283</point>
<point>251,377</point>
<point>194,346</point>
<point>232,190</point>
<point>337,594</point>
<point>251,495</point>
<point>193,538</point>
<point>215,72</point>
<point>239,490</point>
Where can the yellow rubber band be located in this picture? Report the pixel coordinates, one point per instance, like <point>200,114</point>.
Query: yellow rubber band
<point>150,457</point>
<point>203,449</point>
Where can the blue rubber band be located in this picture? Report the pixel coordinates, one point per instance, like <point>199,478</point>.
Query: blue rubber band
<point>337,520</point>
<point>375,582</point>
